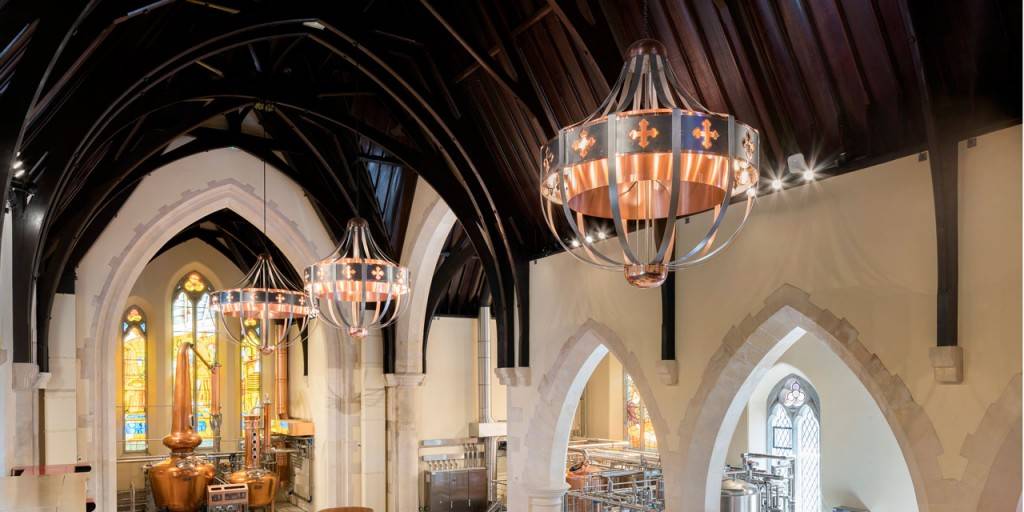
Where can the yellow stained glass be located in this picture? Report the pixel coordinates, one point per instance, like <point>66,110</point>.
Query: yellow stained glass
<point>639,428</point>
<point>133,358</point>
<point>193,321</point>
<point>252,388</point>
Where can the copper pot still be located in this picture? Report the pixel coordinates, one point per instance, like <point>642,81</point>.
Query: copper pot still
<point>262,483</point>
<point>179,481</point>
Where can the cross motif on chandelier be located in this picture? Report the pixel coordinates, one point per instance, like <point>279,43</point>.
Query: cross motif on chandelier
<point>583,144</point>
<point>280,298</point>
<point>643,134</point>
<point>349,271</point>
<point>706,135</point>
<point>748,145</point>
<point>377,272</point>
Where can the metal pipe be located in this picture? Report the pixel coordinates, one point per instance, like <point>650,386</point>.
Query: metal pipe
<point>281,381</point>
<point>483,365</point>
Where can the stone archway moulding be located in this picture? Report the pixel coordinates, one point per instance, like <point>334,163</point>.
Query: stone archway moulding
<point>753,347</point>
<point>559,391</point>
<point>431,221</point>
<point>106,298</point>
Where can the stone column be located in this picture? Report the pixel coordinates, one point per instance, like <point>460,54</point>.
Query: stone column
<point>546,499</point>
<point>403,441</point>
<point>373,426</point>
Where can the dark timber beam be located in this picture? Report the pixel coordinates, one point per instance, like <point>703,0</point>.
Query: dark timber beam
<point>942,156</point>
<point>668,318</point>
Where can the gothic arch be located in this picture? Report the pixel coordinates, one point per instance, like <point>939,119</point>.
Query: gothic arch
<point>431,221</point>
<point>751,349</point>
<point>150,227</point>
<point>559,392</point>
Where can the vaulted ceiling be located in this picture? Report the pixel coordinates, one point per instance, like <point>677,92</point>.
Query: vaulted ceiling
<point>355,100</point>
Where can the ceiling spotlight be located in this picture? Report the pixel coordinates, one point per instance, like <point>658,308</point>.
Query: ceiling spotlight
<point>575,243</point>
<point>602,235</point>
<point>590,239</point>
<point>19,173</point>
<point>776,184</point>
<point>808,175</point>
<point>17,164</point>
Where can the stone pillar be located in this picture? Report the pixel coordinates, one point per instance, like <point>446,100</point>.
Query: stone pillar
<point>60,399</point>
<point>403,441</point>
<point>372,426</point>
<point>546,499</point>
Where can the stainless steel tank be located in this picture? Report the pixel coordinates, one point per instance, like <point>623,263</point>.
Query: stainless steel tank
<point>740,496</point>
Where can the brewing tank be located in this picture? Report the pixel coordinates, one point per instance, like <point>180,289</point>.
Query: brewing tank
<point>179,481</point>
<point>740,496</point>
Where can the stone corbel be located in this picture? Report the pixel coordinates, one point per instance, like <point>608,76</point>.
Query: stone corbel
<point>513,376</point>
<point>948,363</point>
<point>27,376</point>
<point>403,380</point>
<point>668,372</point>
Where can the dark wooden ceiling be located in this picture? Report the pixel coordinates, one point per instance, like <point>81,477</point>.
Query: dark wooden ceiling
<point>367,95</point>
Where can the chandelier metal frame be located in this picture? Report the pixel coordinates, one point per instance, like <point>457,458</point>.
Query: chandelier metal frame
<point>357,287</point>
<point>649,156</point>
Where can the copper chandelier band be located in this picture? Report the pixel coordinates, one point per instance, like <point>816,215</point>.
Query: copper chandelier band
<point>644,159</point>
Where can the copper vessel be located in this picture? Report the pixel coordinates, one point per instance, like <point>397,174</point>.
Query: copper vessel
<point>179,482</point>
<point>262,483</point>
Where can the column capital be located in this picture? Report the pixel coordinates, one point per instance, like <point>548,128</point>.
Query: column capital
<point>404,380</point>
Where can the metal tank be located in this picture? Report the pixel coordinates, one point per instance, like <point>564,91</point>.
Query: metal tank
<point>262,483</point>
<point>179,482</point>
<point>740,496</point>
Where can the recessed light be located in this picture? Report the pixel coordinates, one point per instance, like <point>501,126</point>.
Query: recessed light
<point>20,173</point>
<point>589,239</point>
<point>777,184</point>
<point>575,243</point>
<point>17,164</point>
<point>809,175</point>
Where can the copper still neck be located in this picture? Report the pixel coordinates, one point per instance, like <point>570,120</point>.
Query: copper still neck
<point>252,441</point>
<point>182,438</point>
<point>281,382</point>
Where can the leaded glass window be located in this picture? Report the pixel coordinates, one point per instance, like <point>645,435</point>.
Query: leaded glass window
<point>251,370</point>
<point>133,375</point>
<point>639,429</point>
<point>193,321</point>
<point>794,430</point>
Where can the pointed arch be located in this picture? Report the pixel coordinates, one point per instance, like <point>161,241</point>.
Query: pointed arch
<point>748,351</point>
<point>547,438</point>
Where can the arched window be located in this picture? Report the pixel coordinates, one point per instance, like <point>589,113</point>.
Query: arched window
<point>133,379</point>
<point>794,430</point>
<point>639,429</point>
<point>193,321</point>
<point>252,388</point>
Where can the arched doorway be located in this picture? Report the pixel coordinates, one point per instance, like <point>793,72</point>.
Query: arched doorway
<point>547,439</point>
<point>742,362</point>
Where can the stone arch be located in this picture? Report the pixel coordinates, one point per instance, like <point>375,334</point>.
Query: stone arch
<point>431,221</point>
<point>151,225</point>
<point>547,437</point>
<point>751,349</point>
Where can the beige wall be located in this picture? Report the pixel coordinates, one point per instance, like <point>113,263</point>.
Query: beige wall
<point>863,246</point>
<point>604,401</point>
<point>448,396</point>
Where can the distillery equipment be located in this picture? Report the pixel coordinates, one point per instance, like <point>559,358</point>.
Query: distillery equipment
<point>179,481</point>
<point>262,483</point>
<point>740,496</point>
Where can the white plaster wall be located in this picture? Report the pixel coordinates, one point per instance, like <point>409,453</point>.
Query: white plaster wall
<point>863,246</point>
<point>604,398</point>
<point>448,397</point>
<point>861,462</point>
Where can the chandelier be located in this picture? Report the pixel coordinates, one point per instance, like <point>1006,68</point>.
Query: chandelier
<point>264,298</point>
<point>357,287</point>
<point>649,156</point>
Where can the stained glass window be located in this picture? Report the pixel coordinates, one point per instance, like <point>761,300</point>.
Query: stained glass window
<point>252,390</point>
<point>794,430</point>
<point>193,321</point>
<point>133,357</point>
<point>639,429</point>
